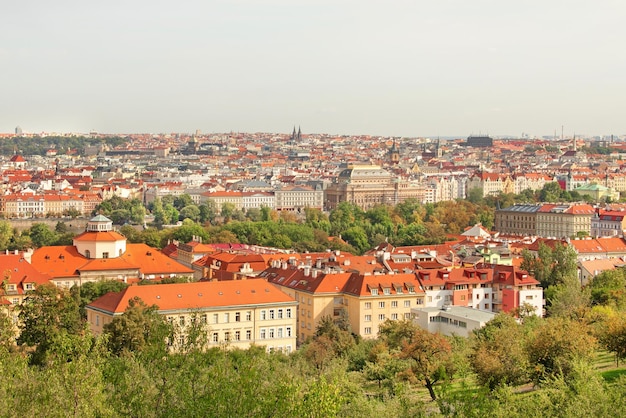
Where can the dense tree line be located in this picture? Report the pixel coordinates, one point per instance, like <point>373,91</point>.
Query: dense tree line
<point>38,145</point>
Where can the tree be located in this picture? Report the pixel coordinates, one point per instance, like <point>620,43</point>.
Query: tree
<point>568,299</point>
<point>557,345</point>
<point>188,230</point>
<point>430,358</point>
<point>6,233</point>
<point>613,335</point>
<point>139,329</point>
<point>183,201</point>
<point>499,355</point>
<point>46,313</point>
<point>41,235</point>
<point>191,212</point>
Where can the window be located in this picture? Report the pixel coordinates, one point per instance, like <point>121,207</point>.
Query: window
<point>407,303</point>
<point>288,331</point>
<point>368,305</point>
<point>280,314</point>
<point>263,332</point>
<point>486,306</point>
<point>203,319</point>
<point>263,315</point>
<point>271,313</point>
<point>420,301</point>
<point>367,330</point>
<point>215,318</point>
<point>374,292</point>
<point>181,340</point>
<point>462,297</point>
<point>486,295</point>
<point>237,335</point>
<point>237,316</point>
<point>288,312</point>
<point>248,334</point>
<point>394,303</point>
<point>105,255</point>
<point>381,317</point>
<point>394,316</point>
<point>381,304</point>
<point>279,333</point>
<point>407,316</point>
<point>87,254</point>
<point>271,333</point>
<point>216,337</point>
<point>430,298</point>
<point>97,319</point>
<point>248,316</point>
<point>227,317</point>
<point>368,318</point>
<point>181,321</point>
<point>227,336</point>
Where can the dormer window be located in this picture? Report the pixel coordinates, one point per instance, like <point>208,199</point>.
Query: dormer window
<point>374,292</point>
<point>411,289</point>
<point>29,286</point>
<point>386,291</point>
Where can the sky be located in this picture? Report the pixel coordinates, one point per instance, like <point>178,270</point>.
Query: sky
<point>391,68</point>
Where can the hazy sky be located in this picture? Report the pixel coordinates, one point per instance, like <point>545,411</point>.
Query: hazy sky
<point>403,68</point>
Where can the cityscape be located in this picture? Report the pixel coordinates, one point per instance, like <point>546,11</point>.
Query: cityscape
<point>312,209</point>
<point>443,236</point>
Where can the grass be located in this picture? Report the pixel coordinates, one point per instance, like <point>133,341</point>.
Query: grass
<point>604,362</point>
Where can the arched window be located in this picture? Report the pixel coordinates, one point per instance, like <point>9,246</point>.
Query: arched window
<point>87,253</point>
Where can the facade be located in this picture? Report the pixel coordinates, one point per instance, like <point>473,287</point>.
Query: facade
<point>451,320</point>
<point>564,220</point>
<point>369,185</point>
<point>608,224</point>
<point>545,220</point>
<point>234,314</point>
<point>295,198</point>
<point>519,219</point>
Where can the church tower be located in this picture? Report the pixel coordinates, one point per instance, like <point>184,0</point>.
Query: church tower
<point>394,153</point>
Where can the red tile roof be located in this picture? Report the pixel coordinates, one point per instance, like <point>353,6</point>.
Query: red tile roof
<point>186,296</point>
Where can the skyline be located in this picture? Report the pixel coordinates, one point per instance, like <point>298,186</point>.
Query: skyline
<point>452,68</point>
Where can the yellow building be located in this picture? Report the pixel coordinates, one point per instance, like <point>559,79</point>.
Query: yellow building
<point>365,299</point>
<point>236,313</point>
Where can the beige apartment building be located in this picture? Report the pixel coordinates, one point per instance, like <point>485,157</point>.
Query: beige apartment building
<point>546,220</point>
<point>235,314</point>
<point>365,300</point>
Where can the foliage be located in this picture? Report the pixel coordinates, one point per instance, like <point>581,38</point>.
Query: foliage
<point>140,329</point>
<point>551,266</point>
<point>48,313</point>
<point>555,347</point>
<point>499,356</point>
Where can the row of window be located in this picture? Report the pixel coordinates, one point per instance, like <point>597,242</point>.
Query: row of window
<point>394,304</point>
<point>276,314</point>
<point>226,316</point>
<point>382,317</point>
<point>275,333</point>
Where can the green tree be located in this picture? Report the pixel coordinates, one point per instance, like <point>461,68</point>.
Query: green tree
<point>499,356</point>
<point>139,329</point>
<point>6,233</point>
<point>190,212</point>
<point>557,345</point>
<point>182,201</point>
<point>91,291</point>
<point>41,235</point>
<point>46,314</point>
